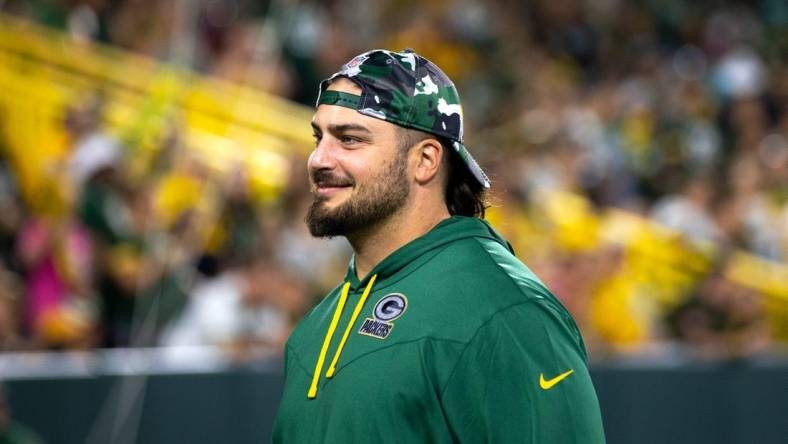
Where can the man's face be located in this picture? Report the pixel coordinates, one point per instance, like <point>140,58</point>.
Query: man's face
<point>357,172</point>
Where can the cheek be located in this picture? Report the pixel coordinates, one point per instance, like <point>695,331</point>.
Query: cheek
<point>354,166</point>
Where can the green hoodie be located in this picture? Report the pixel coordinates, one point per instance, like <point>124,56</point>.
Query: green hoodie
<point>449,339</point>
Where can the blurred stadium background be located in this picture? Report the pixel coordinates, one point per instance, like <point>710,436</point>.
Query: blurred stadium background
<point>152,191</point>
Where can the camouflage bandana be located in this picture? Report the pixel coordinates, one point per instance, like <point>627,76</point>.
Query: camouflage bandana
<point>408,90</point>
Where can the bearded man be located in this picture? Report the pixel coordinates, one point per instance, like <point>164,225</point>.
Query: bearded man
<point>438,333</point>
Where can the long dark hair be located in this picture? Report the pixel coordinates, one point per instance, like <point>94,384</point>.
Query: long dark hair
<point>464,195</point>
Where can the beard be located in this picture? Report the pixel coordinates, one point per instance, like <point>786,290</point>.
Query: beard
<point>382,196</point>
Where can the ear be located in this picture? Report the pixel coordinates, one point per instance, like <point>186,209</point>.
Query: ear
<point>429,155</point>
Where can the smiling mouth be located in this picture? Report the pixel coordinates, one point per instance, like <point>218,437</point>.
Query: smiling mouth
<point>326,184</point>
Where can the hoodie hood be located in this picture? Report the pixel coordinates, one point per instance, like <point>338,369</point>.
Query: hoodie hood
<point>447,231</point>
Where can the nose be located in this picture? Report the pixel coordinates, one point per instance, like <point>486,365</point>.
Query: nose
<point>322,157</point>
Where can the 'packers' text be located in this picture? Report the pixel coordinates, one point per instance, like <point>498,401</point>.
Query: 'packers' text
<point>375,328</point>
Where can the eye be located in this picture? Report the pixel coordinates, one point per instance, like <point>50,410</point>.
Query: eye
<point>316,137</point>
<point>348,140</point>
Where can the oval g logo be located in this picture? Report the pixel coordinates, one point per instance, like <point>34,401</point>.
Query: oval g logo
<point>390,307</point>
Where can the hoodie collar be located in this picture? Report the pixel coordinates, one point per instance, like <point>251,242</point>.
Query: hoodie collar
<point>448,230</point>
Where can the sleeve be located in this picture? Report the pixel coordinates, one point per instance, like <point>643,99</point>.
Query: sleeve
<point>523,379</point>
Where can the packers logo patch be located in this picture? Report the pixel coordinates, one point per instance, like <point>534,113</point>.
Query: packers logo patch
<point>389,308</point>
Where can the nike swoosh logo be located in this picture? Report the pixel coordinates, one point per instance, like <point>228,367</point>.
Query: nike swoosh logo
<point>547,385</point>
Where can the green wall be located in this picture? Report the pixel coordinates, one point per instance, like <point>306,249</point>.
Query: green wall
<point>697,403</point>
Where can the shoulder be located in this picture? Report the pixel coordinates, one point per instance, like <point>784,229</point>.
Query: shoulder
<point>484,272</point>
<point>477,283</point>
<point>536,322</point>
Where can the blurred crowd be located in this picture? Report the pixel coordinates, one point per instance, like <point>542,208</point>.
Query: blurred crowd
<point>177,257</point>
<point>674,112</point>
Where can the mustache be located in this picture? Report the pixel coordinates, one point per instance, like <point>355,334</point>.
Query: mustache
<point>326,179</point>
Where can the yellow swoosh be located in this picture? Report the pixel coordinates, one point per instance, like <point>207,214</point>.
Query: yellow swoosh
<point>547,385</point>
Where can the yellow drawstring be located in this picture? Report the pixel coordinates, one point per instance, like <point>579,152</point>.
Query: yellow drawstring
<point>356,311</point>
<point>330,333</point>
<point>319,365</point>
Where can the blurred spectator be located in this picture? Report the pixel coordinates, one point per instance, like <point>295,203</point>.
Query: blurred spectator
<point>244,311</point>
<point>57,257</point>
<point>212,313</point>
<point>93,150</point>
<point>272,300</point>
<point>749,213</point>
<point>689,211</point>
<point>248,55</point>
<point>143,26</point>
<point>10,312</point>
<point>722,320</point>
<point>237,234</point>
<point>11,216</point>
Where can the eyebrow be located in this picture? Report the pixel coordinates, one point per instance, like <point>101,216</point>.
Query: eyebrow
<point>343,128</point>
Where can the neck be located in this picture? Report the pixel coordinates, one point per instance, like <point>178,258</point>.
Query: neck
<point>373,244</point>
